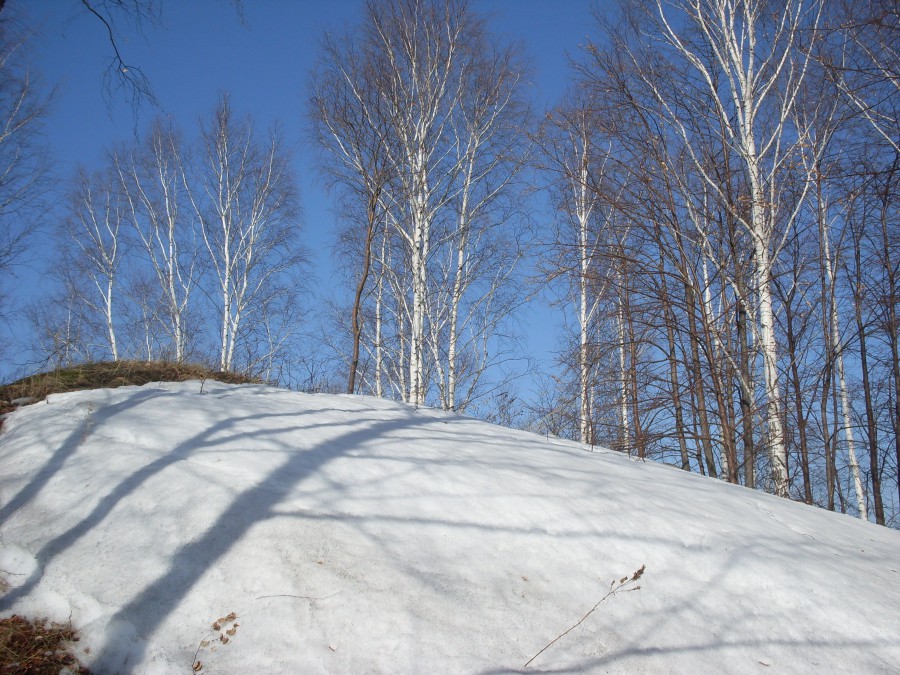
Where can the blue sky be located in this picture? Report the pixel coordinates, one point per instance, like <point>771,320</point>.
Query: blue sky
<point>203,49</point>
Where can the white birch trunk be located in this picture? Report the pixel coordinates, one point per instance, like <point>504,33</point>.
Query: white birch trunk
<point>455,299</point>
<point>176,308</point>
<point>225,282</point>
<point>584,206</point>
<point>623,379</point>
<point>420,248</point>
<point>110,327</point>
<point>777,448</point>
<point>379,351</point>
<point>834,322</point>
<point>761,232</point>
<point>851,446</point>
<point>584,369</point>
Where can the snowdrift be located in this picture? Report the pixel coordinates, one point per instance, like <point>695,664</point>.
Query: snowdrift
<point>243,529</point>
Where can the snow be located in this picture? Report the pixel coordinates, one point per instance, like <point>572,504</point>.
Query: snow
<point>333,534</point>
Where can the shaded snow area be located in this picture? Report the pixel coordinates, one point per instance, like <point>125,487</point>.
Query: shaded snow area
<point>247,529</point>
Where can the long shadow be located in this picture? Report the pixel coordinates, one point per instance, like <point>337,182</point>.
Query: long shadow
<point>68,447</point>
<point>147,610</point>
<point>612,659</point>
<point>55,546</point>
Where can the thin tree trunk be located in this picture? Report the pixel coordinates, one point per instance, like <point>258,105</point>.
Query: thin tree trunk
<point>110,328</point>
<point>584,207</point>
<point>719,363</point>
<point>827,440</point>
<point>867,391</point>
<point>379,349</point>
<point>623,381</point>
<point>745,391</point>
<point>870,418</point>
<point>455,299</point>
<point>842,384</point>
<point>693,333</point>
<point>355,323</point>
<point>639,440</point>
<point>848,435</point>
<point>728,455</point>
<point>841,503</point>
<point>584,366</point>
<point>826,282</point>
<point>628,315</point>
<point>698,448</point>
<point>417,326</point>
<point>798,402</point>
<point>669,319</point>
<point>891,321</point>
<point>584,373</point>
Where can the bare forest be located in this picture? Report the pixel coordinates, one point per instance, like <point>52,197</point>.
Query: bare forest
<point>723,241</point>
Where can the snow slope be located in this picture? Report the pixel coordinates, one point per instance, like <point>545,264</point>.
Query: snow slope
<point>351,534</point>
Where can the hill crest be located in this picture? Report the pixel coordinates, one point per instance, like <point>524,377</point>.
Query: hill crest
<point>352,534</point>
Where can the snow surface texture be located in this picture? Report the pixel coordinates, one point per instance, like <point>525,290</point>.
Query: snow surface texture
<point>341,534</point>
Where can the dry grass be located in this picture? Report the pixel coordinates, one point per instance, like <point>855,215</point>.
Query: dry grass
<point>36,648</point>
<point>107,374</point>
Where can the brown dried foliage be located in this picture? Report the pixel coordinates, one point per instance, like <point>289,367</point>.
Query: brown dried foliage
<point>37,648</point>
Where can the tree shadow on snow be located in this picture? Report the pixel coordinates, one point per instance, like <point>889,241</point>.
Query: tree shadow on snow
<point>68,448</point>
<point>149,608</point>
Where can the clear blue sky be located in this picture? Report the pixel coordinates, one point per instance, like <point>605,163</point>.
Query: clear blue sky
<point>203,49</point>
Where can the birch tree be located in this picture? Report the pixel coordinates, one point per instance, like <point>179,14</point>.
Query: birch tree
<point>751,67</point>
<point>820,129</point>
<point>421,44</point>
<point>572,156</point>
<point>351,126</point>
<point>151,181</point>
<point>489,150</point>
<point>655,201</point>
<point>94,248</point>
<point>424,83</point>
<point>862,60</point>
<point>243,196</point>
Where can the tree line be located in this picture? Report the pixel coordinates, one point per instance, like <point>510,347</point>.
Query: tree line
<point>723,177</point>
<point>726,173</point>
<point>180,249</point>
<point>420,114</point>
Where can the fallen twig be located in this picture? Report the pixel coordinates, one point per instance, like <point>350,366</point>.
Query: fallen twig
<point>614,588</point>
<point>301,597</point>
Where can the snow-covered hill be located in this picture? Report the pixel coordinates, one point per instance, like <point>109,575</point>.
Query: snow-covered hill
<point>342,534</point>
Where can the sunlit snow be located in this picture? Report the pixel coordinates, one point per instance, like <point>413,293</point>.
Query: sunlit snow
<point>247,529</point>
